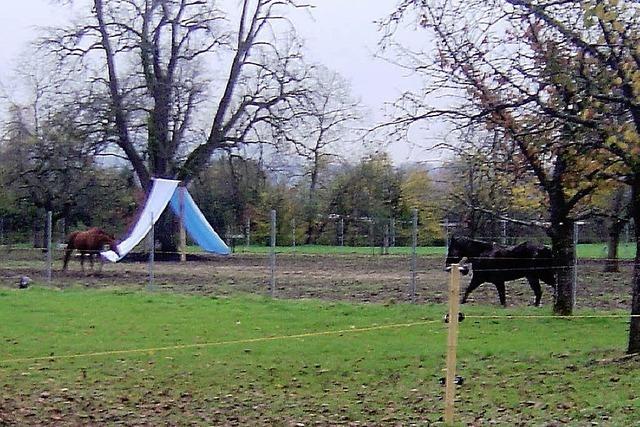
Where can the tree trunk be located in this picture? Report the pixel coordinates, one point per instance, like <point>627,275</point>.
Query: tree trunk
<point>615,228</point>
<point>564,261</point>
<point>634,324</point>
<point>611,264</point>
<point>312,233</point>
<point>165,233</point>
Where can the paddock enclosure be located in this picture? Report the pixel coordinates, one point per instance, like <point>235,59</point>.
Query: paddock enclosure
<point>402,390</point>
<point>350,277</point>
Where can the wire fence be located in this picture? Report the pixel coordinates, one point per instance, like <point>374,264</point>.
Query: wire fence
<point>398,269</point>
<point>350,277</point>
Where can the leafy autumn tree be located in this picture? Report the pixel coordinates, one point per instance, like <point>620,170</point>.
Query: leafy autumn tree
<point>418,191</point>
<point>605,93</point>
<point>611,202</point>
<point>371,192</point>
<point>514,76</point>
<point>565,73</point>
<point>230,191</point>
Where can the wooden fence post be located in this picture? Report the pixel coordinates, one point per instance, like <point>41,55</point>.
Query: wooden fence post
<point>183,234</point>
<point>273,252</point>
<point>452,343</point>
<point>414,254</point>
<point>152,249</point>
<point>49,245</point>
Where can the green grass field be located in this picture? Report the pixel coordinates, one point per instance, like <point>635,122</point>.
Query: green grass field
<point>104,357</point>
<point>585,250</point>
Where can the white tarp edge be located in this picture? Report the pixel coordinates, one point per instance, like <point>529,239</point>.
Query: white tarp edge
<point>161,193</point>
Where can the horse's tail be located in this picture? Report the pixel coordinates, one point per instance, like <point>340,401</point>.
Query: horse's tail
<point>70,247</point>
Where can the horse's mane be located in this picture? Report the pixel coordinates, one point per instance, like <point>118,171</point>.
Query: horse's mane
<point>98,232</point>
<point>468,241</point>
<point>72,236</point>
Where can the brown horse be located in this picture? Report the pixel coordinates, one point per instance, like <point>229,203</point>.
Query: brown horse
<point>89,242</point>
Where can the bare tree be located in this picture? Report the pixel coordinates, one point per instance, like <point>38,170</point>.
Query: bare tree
<point>317,134</point>
<point>154,59</point>
<point>155,53</point>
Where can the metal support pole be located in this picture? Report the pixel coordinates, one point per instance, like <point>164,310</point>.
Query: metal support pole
<point>183,233</point>
<point>393,232</point>
<point>247,230</point>
<point>446,237</point>
<point>414,254</point>
<point>63,229</point>
<point>273,252</point>
<point>152,248</point>
<point>385,240</point>
<point>293,233</point>
<point>575,263</point>
<point>49,245</point>
<point>371,239</point>
<point>452,344</point>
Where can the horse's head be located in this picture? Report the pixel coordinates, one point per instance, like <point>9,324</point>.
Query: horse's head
<point>108,240</point>
<point>113,245</point>
<point>457,253</point>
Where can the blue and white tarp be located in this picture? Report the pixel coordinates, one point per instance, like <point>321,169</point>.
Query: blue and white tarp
<point>196,224</point>
<point>163,191</point>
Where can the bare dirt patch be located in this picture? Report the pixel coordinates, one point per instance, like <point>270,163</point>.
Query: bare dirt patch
<point>355,278</point>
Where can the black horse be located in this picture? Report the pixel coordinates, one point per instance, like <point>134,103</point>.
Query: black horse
<point>497,264</point>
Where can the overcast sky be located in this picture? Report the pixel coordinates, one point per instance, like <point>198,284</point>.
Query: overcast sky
<point>341,34</point>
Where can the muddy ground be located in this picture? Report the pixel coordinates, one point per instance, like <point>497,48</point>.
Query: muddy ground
<point>355,278</point>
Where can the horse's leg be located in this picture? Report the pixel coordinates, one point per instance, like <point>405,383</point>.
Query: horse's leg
<point>473,285</point>
<point>534,282</point>
<point>101,263</point>
<point>82,253</point>
<point>67,255</point>
<point>502,294</point>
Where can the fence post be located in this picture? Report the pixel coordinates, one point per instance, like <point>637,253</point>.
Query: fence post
<point>247,230</point>
<point>446,236</point>
<point>576,224</point>
<point>152,248</point>
<point>273,252</point>
<point>393,232</point>
<point>414,254</point>
<point>49,245</point>
<point>452,343</point>
<point>385,240</point>
<point>183,234</point>
<point>63,229</point>
<point>371,237</point>
<point>293,233</point>
<point>1,230</point>
<point>341,231</point>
